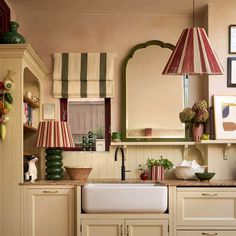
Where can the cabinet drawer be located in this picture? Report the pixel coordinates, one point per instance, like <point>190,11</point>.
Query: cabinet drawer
<point>205,233</point>
<point>206,206</point>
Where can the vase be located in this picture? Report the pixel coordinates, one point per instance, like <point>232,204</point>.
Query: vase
<point>157,173</point>
<point>12,37</point>
<point>197,132</point>
<point>188,131</point>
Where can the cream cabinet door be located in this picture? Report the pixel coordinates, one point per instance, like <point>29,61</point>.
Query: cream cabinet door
<point>49,211</point>
<point>102,227</point>
<point>205,233</point>
<point>146,227</point>
<point>206,206</point>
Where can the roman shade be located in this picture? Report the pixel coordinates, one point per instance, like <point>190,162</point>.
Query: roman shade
<point>83,75</point>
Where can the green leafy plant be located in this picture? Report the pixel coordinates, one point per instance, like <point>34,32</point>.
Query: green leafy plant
<point>99,133</point>
<point>167,164</point>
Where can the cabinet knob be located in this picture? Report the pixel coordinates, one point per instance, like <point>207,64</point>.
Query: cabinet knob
<point>210,234</point>
<point>210,194</point>
<point>48,191</point>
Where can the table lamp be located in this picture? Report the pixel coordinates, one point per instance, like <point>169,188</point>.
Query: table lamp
<point>54,136</point>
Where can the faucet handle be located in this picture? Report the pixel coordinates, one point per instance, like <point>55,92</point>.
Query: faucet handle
<point>128,171</point>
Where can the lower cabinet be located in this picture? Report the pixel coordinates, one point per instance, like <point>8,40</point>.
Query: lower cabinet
<point>124,227</point>
<point>206,206</point>
<point>48,211</point>
<point>205,233</point>
<point>206,211</point>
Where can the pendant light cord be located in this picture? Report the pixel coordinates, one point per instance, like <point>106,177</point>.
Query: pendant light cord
<point>193,13</point>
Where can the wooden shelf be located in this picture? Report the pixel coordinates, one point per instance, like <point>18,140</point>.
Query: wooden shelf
<point>30,128</point>
<point>151,143</point>
<point>31,102</point>
<point>221,141</point>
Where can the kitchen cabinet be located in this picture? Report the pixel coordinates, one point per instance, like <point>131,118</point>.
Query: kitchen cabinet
<point>209,211</point>
<point>206,207</point>
<point>102,227</point>
<point>124,227</point>
<point>48,211</point>
<point>146,227</point>
<point>29,72</point>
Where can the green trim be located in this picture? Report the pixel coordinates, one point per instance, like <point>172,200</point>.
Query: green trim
<point>64,75</point>
<point>123,93</point>
<point>102,74</point>
<point>83,75</point>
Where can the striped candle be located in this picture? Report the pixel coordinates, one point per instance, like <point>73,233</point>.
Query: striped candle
<point>54,134</point>
<point>193,54</point>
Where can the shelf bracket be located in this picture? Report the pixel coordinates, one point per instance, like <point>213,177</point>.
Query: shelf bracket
<point>185,152</point>
<point>202,149</point>
<point>226,151</point>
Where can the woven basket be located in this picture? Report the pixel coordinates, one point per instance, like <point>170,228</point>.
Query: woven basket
<point>77,173</point>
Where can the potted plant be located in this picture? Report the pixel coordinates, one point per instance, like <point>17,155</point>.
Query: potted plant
<point>100,141</point>
<point>156,167</point>
<point>194,119</point>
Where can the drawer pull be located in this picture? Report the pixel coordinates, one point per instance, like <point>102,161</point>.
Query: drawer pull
<point>210,194</point>
<point>210,234</point>
<point>47,191</point>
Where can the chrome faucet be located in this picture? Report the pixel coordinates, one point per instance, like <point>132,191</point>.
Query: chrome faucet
<point>123,161</point>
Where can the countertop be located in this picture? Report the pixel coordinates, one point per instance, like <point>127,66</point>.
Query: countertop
<point>167,182</point>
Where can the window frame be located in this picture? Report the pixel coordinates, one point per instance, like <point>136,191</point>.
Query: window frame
<point>64,117</point>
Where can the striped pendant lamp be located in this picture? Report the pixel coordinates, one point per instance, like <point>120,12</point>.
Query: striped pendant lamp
<point>54,134</point>
<point>193,55</point>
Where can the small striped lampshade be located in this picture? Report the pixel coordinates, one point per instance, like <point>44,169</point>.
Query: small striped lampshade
<point>54,134</point>
<point>193,55</point>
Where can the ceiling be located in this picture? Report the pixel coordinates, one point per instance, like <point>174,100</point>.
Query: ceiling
<point>121,7</point>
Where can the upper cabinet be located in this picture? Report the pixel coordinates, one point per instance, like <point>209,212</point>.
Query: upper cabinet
<point>29,71</point>
<point>151,101</point>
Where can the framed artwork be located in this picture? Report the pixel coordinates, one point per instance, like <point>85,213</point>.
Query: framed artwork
<point>232,39</point>
<point>48,111</point>
<point>4,17</point>
<point>225,117</point>
<point>231,72</point>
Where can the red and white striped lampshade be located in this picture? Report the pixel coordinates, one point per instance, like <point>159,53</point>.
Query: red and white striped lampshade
<point>54,134</point>
<point>193,54</point>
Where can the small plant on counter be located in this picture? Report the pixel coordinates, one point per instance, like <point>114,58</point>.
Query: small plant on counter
<point>167,164</point>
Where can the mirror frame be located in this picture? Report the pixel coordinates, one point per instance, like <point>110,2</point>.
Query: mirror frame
<point>123,93</point>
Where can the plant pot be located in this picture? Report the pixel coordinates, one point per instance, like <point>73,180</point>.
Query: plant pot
<point>157,173</point>
<point>197,132</point>
<point>100,145</point>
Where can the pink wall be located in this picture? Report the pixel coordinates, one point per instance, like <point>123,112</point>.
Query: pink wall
<point>94,33</point>
<point>220,17</point>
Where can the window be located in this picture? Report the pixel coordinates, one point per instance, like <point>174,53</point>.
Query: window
<point>86,115</point>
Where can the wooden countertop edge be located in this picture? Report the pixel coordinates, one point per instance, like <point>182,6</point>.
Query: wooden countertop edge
<point>167,182</point>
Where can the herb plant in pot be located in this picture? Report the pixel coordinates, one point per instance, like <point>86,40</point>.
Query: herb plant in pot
<point>158,167</point>
<point>100,141</point>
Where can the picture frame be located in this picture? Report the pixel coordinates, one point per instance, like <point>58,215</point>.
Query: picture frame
<point>225,116</point>
<point>231,72</point>
<point>232,39</point>
<point>48,111</point>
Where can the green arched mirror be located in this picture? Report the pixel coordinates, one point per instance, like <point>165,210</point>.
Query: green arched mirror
<point>151,102</point>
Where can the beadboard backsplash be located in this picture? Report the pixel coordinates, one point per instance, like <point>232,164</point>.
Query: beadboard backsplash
<point>104,166</point>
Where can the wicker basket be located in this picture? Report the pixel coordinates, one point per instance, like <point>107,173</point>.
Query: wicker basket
<point>77,173</point>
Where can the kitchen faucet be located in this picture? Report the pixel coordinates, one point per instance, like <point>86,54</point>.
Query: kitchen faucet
<point>123,161</point>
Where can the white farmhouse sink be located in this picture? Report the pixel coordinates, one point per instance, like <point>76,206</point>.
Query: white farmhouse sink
<point>112,198</point>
